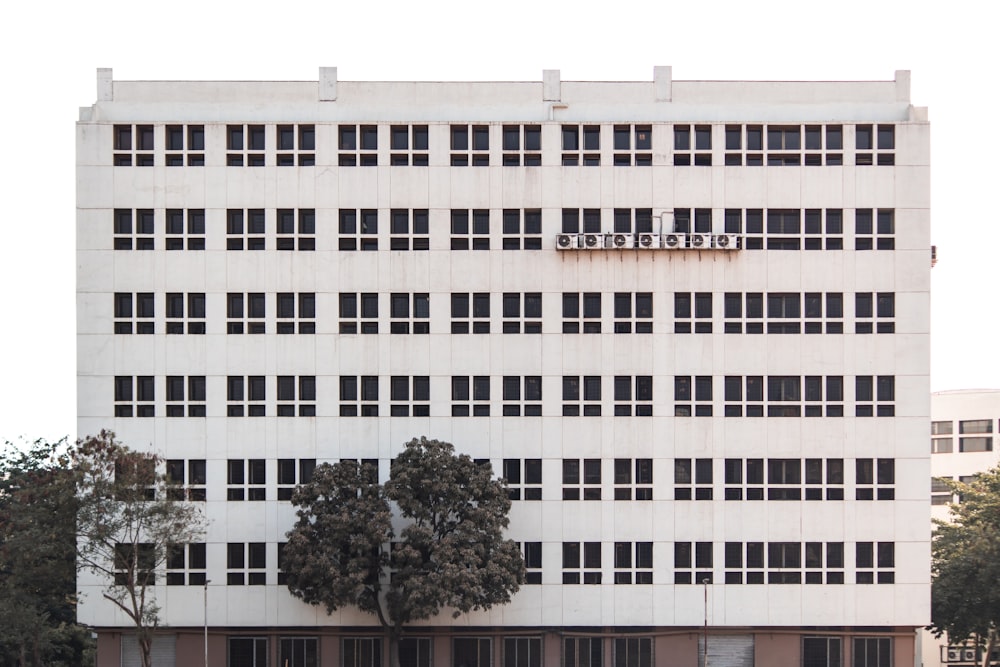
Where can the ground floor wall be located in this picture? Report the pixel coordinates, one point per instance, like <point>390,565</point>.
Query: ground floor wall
<point>520,647</point>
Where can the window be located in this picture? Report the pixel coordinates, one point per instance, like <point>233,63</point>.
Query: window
<point>403,319</point>
<point>195,478</point>
<point>870,151</point>
<point>740,570</point>
<point>527,485</point>
<point>246,564</point>
<point>872,651</point>
<point>475,389</point>
<point>470,144</point>
<point>692,559</point>
<point>821,652</point>
<point>527,402</point>
<point>245,145</point>
<point>699,152</point>
<point>245,396</point>
<point>571,218</point>
<point>874,229</point>
<point>736,318</point>
<point>249,319</point>
<point>581,312</point>
<point>298,652</point>
<point>698,318</point>
<point>522,145</point>
<point>828,559</point>
<point>751,401</point>
<point>138,235</point>
<point>576,139</point>
<point>633,144</point>
<point>246,480</point>
<point>880,389</point>
<point>471,652</point>
<point>361,651</point>
<point>977,428</point>
<point>401,395</point>
<point>475,319</point>
<point>408,144</point>
<point>633,652</point>
<point>639,402</point>
<point>355,399</point>
<point>633,312</point>
<point>186,564</point>
<point>697,477</point>
<point>414,652</point>
<point>875,479</point>
<point>823,229</point>
<point>875,562</point>
<point>941,493</point>
<point>358,229</point>
<point>134,564</point>
<point>581,563</point>
<point>637,569</point>
<point>639,485</point>
<point>975,444</point>
<point>249,235</point>
<point>296,145</point>
<point>178,231</point>
<point>177,315</point>
<point>522,652</point>
<point>358,146</point>
<point>874,312</point>
<point>134,396</point>
<point>784,562</point>
<point>784,477</point>
<point>782,392</point>
<point>305,304</point>
<point>583,652</point>
<point>358,320</point>
<point>139,319</point>
<point>698,388</point>
<point>581,479</point>
<point>138,152</point>
<point>296,395</point>
<point>195,395</point>
<point>522,313</point>
<point>522,228</point>
<point>464,237</point>
<point>406,225</point>
<point>832,481</point>
<point>586,389</point>
<point>784,227</point>
<point>749,486</point>
<point>296,226</point>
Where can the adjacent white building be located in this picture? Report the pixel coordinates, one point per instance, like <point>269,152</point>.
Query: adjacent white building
<point>687,320</point>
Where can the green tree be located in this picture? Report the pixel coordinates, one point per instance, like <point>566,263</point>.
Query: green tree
<point>451,552</point>
<point>37,558</point>
<point>965,598</point>
<point>127,523</point>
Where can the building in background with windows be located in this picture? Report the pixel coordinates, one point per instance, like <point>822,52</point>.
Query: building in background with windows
<point>687,321</point>
<point>963,424</point>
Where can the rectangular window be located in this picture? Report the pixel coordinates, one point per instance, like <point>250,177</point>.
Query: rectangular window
<point>517,152</point>
<point>581,479</point>
<point>358,229</point>
<point>246,564</point>
<point>359,397</point>
<point>638,485</point>
<point>522,652</point>
<point>470,313</point>
<point>406,225</point>
<point>291,473</point>
<point>581,562</point>
<point>138,402</point>
<point>633,312</point>
<point>581,396</point>
<point>692,562</point>
<point>522,313</point>
<point>693,479</point>
<point>583,652</point>
<point>186,564</point>
<point>522,229</point>
<point>693,396</point>
<point>138,235</point>
<point>581,145</point>
<point>637,569</point>
<point>246,480</point>
<point>409,145</point>
<point>358,145</point>
<point>524,478</point>
<point>470,229</point>
<point>466,652</point>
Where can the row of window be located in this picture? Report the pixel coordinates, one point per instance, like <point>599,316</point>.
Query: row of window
<point>469,145</point>
<point>472,229</point>
<point>582,563</point>
<point>526,651</point>
<point>787,395</point>
<point>583,479</point>
<point>521,312</point>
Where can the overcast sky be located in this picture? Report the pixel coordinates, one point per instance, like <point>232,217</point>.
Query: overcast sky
<point>50,53</point>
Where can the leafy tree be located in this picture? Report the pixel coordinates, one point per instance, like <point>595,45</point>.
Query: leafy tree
<point>965,597</point>
<point>127,524</point>
<point>451,552</point>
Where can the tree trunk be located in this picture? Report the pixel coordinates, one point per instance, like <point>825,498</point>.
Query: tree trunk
<point>392,637</point>
<point>991,640</point>
<point>145,648</point>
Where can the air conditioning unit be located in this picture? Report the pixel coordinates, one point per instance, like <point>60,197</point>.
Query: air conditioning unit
<point>725,241</point>
<point>969,655</point>
<point>592,241</point>
<point>700,241</point>
<point>619,241</point>
<point>648,241</point>
<point>951,654</point>
<point>565,241</point>
<point>674,241</point>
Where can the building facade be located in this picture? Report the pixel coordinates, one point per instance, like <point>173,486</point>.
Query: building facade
<point>688,321</point>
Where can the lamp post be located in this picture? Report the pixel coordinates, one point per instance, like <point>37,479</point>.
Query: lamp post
<point>205,611</point>
<point>704,583</point>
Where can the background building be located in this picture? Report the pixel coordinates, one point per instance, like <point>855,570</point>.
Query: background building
<point>688,321</point>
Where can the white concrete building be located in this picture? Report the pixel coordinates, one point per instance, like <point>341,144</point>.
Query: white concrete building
<point>687,320</point>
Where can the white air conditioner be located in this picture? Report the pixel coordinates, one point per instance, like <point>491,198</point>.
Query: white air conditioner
<point>968,655</point>
<point>725,241</point>
<point>592,241</point>
<point>619,241</point>
<point>952,654</point>
<point>700,241</point>
<point>674,241</point>
<point>648,241</point>
<point>565,241</point>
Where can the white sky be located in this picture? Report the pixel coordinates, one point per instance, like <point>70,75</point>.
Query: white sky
<point>49,53</point>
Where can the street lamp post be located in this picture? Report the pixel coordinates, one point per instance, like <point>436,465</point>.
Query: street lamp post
<point>205,611</point>
<point>704,583</point>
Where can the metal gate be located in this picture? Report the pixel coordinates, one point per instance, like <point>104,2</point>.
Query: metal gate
<point>726,651</point>
<point>163,654</point>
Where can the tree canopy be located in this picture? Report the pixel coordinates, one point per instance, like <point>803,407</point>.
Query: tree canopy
<point>965,597</point>
<point>450,553</point>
